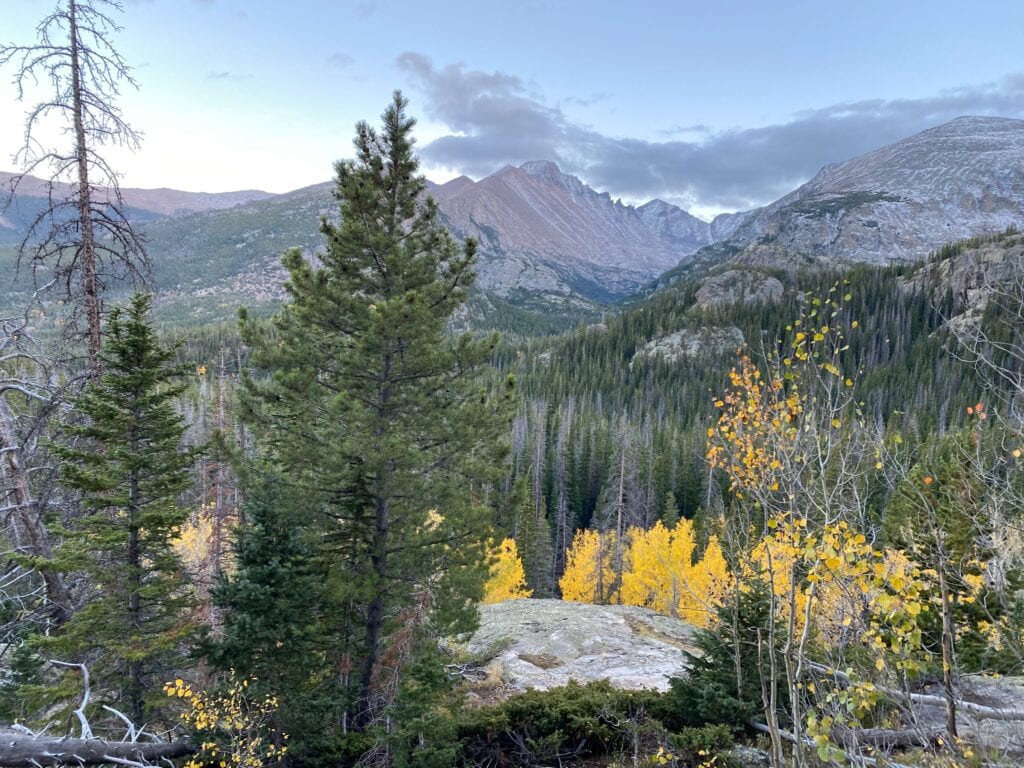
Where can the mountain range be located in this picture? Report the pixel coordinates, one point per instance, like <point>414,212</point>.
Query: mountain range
<point>551,245</point>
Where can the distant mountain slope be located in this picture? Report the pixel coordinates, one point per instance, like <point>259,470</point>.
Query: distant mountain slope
<point>896,204</point>
<point>546,231</point>
<point>162,202</point>
<point>555,249</point>
<point>549,244</point>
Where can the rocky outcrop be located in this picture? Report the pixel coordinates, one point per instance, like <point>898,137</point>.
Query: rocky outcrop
<point>543,644</point>
<point>973,272</point>
<point>693,343</point>
<point>738,285</point>
<point>990,734</point>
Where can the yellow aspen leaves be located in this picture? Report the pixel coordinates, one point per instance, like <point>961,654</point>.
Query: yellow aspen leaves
<point>508,578</point>
<point>589,576</point>
<point>659,572</point>
<point>234,727</point>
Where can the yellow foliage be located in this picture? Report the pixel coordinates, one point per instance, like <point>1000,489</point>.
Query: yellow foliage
<point>197,545</point>
<point>657,573</point>
<point>588,575</point>
<point>508,579</point>
<point>661,574</point>
<point>710,583</point>
<point>234,727</point>
<point>847,588</point>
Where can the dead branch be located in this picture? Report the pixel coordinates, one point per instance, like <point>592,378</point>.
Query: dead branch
<point>20,751</point>
<point>979,711</point>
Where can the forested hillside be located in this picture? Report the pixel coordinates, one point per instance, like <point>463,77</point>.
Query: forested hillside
<point>265,541</point>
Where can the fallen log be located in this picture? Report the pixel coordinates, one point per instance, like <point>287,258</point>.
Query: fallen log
<point>888,738</point>
<point>979,711</point>
<point>811,744</point>
<point>25,751</point>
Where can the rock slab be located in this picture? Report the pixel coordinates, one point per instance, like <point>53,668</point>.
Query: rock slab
<point>543,644</point>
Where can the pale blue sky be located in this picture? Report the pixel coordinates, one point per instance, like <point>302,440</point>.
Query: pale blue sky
<point>712,105</point>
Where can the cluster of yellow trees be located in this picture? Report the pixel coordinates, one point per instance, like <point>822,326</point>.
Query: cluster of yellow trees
<point>840,574</point>
<point>844,616</point>
<point>654,568</point>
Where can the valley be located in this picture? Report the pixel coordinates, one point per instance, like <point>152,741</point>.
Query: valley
<point>705,443</point>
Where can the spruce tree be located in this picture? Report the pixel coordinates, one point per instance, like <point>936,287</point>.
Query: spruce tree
<point>275,628</point>
<point>670,513</point>
<point>126,461</point>
<point>379,420</point>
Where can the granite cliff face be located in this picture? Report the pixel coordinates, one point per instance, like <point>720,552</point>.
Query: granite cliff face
<point>543,230</point>
<point>895,204</point>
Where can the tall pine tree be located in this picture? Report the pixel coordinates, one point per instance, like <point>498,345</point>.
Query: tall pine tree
<point>380,421</point>
<point>126,461</point>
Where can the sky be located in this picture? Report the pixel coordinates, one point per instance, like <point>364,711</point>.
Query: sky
<point>714,106</point>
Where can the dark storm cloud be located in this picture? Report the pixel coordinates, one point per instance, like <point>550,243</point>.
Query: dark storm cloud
<point>495,119</point>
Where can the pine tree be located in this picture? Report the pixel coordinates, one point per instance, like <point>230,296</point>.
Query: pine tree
<point>275,628</point>
<point>379,419</point>
<point>538,555</point>
<point>126,461</point>
<point>670,514</point>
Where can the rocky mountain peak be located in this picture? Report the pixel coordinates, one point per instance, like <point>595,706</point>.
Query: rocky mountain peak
<point>548,172</point>
<point>544,169</point>
<point>674,223</point>
<point>539,227</point>
<point>897,203</point>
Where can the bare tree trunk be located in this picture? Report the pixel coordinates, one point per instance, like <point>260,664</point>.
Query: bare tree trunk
<point>769,698</point>
<point>948,631</point>
<point>32,536</point>
<point>620,503</point>
<point>563,527</point>
<point>24,751</point>
<point>90,283</point>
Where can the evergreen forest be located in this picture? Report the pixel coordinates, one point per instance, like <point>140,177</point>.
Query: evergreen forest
<point>266,543</point>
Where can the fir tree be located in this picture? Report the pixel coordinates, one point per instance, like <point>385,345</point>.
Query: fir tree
<point>379,419</point>
<point>670,514</point>
<point>126,461</point>
<point>275,629</point>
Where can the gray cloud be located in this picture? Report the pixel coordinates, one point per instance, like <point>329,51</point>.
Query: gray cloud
<point>495,119</point>
<point>340,60</point>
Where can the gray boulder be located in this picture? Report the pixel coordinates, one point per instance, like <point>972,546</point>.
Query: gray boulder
<point>543,644</point>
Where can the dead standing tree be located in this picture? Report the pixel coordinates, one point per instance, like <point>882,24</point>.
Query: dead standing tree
<point>28,395</point>
<point>82,237</point>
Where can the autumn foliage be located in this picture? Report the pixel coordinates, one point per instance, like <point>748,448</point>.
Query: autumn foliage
<point>233,728</point>
<point>507,579</point>
<point>660,572</point>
